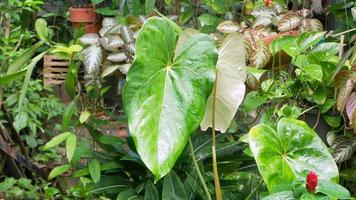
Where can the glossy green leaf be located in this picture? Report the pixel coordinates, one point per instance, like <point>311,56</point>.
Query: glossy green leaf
<point>58,171</point>
<point>286,195</point>
<point>253,100</point>
<point>314,71</point>
<point>219,6</point>
<point>71,145</point>
<point>149,6</point>
<point>6,79</point>
<point>290,152</point>
<point>42,30</point>
<point>30,69</point>
<point>164,97</point>
<point>84,116</point>
<point>24,58</point>
<point>280,43</point>
<point>55,141</point>
<point>95,170</point>
<point>333,189</point>
<point>308,39</point>
<point>128,194</point>
<point>173,188</point>
<point>230,90</point>
<point>151,192</point>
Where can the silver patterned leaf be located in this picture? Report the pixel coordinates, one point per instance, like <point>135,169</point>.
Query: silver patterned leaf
<point>343,95</point>
<point>89,39</point>
<point>251,41</point>
<point>126,34</point>
<point>311,25</point>
<point>109,21</point>
<point>263,11</point>
<point>117,57</point>
<point>228,27</point>
<point>351,107</point>
<point>130,48</point>
<point>289,22</point>
<point>261,56</point>
<point>109,70</point>
<point>125,68</point>
<point>112,43</point>
<point>262,22</point>
<point>343,151</point>
<point>304,13</point>
<point>275,20</point>
<point>107,30</point>
<point>277,7</point>
<point>93,56</point>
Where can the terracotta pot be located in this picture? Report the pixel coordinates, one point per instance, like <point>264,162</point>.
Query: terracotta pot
<point>86,17</point>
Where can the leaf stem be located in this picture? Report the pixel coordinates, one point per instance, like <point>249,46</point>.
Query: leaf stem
<point>215,163</point>
<point>198,170</point>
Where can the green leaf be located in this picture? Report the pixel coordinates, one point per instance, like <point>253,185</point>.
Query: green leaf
<point>7,184</point>
<point>230,91</point>
<point>135,7</point>
<point>290,152</point>
<point>332,121</point>
<point>308,39</point>
<point>151,192</point>
<point>253,100</point>
<point>84,116</point>
<point>324,51</point>
<point>313,70</point>
<point>68,114</point>
<point>332,189</point>
<point>71,145</point>
<point>286,195</point>
<point>128,194</point>
<point>220,6</point>
<point>278,44</point>
<point>173,188</point>
<point>165,104</point>
<point>24,58</point>
<point>56,140</point>
<point>12,77</point>
<point>71,78</point>
<point>329,103</point>
<point>107,11</point>
<point>149,6</point>
<point>30,69</point>
<point>94,170</point>
<point>58,171</point>
<point>42,30</point>
<point>96,1</point>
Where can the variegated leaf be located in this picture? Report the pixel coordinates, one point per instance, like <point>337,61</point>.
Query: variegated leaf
<point>251,41</point>
<point>351,107</point>
<point>112,43</point>
<point>89,39</point>
<point>117,57</point>
<point>277,7</point>
<point>262,21</point>
<point>109,21</point>
<point>304,12</point>
<point>228,27</point>
<point>289,22</point>
<point>126,34</point>
<point>275,20</point>
<point>130,48</point>
<point>93,56</point>
<point>261,56</point>
<point>343,95</point>
<point>125,68</point>
<point>135,34</point>
<point>231,76</point>
<point>107,30</point>
<point>338,140</point>
<point>263,11</point>
<point>343,151</point>
<point>311,25</point>
<point>111,69</point>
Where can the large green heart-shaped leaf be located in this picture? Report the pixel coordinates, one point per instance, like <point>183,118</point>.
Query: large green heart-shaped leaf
<point>289,153</point>
<point>165,94</point>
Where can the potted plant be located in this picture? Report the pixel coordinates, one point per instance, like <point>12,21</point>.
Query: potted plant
<point>82,13</point>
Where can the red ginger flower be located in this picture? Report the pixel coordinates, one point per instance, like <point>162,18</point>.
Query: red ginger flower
<point>267,2</point>
<point>312,181</point>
